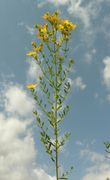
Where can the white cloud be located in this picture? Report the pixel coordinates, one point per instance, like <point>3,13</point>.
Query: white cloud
<point>101,176</point>
<point>87,13</point>
<point>54,2</point>
<point>106,76</point>
<point>89,56</point>
<point>17,147</point>
<point>81,12</point>
<point>84,11</point>
<point>34,71</point>
<point>30,30</point>
<point>105,26</point>
<point>41,175</point>
<point>41,4</point>
<point>17,151</point>
<point>92,156</point>
<point>78,83</point>
<point>17,101</point>
<point>99,172</point>
<point>106,72</point>
<point>58,2</point>
<point>100,167</point>
<point>79,143</point>
<point>96,95</point>
<point>84,145</point>
<point>14,157</point>
<point>20,23</point>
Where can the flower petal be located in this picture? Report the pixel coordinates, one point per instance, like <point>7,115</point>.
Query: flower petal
<point>31,86</point>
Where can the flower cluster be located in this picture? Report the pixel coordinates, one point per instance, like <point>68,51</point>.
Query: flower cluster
<point>35,50</point>
<point>43,32</point>
<point>47,34</point>
<point>53,19</point>
<point>63,25</point>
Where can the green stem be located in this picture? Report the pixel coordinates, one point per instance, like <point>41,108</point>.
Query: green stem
<point>56,129</point>
<point>46,77</point>
<point>56,124</point>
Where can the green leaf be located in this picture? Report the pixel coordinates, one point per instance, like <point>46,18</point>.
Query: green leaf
<point>42,125</point>
<point>59,107</point>
<point>42,140</point>
<point>35,112</point>
<point>63,178</point>
<point>42,133</point>
<point>38,120</point>
<point>107,145</point>
<point>52,159</point>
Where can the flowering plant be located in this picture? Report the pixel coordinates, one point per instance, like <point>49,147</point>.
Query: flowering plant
<point>51,56</point>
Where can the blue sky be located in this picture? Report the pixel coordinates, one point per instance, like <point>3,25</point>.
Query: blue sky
<point>21,154</point>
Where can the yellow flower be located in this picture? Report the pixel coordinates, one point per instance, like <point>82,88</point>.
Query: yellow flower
<point>46,15</point>
<point>45,28</point>
<point>34,45</point>
<point>31,53</point>
<point>42,28</point>
<point>40,47</point>
<point>66,26</point>
<point>31,86</point>
<point>43,32</point>
<point>53,19</point>
<point>35,50</point>
<point>69,25</point>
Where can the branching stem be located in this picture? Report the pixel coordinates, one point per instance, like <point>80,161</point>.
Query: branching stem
<point>56,124</point>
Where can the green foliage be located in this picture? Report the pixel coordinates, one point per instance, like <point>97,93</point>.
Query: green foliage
<point>107,146</point>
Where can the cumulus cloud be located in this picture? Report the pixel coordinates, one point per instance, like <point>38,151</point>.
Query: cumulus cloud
<point>92,156</point>
<point>16,154</point>
<point>88,13</point>
<point>41,175</point>
<point>17,151</point>
<point>100,175</point>
<point>105,26</point>
<point>34,71</point>
<point>58,2</point>
<point>99,172</point>
<point>106,72</point>
<point>99,168</point>
<point>54,2</point>
<point>89,56</point>
<point>30,30</point>
<point>78,83</point>
<point>106,75</point>
<point>17,101</point>
<point>85,11</point>
<point>80,11</point>
<point>17,147</point>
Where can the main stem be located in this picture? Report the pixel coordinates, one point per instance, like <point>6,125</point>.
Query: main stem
<point>56,124</point>
<point>56,130</point>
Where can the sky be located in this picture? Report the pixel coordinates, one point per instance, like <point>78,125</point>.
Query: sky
<point>21,154</point>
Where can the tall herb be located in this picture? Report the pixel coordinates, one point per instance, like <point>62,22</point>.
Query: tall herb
<point>51,55</point>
